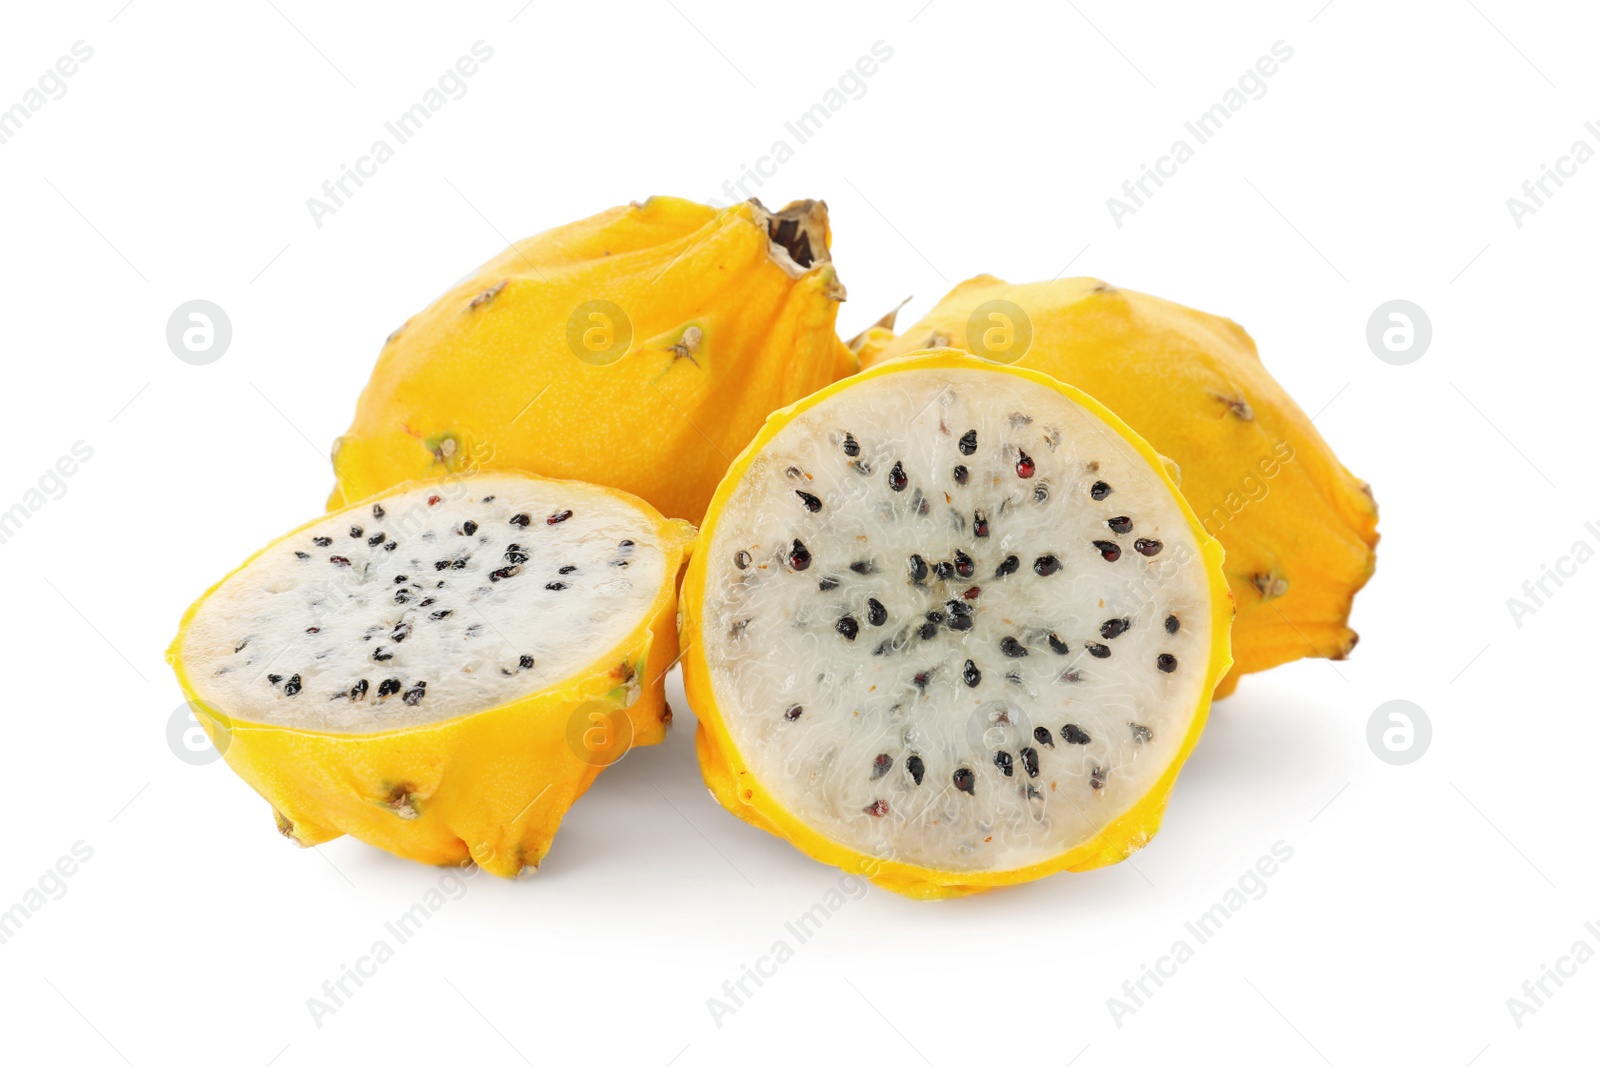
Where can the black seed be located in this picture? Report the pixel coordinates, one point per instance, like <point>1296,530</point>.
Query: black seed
<point>274,678</point>
<point>1113,628</point>
<point>1058,646</point>
<point>793,713</point>
<point>469,527</point>
<point>964,780</point>
<point>828,585</point>
<point>848,628</point>
<point>442,613</point>
<point>964,565</point>
<point>1041,735</point>
<point>741,559</point>
<point>355,531</point>
<point>1072,735</point>
<point>1121,524</point>
<point>881,764</point>
<point>980,524</point>
<point>1045,566</point>
<point>1097,651</point>
<point>919,503</point>
<point>322,542</point>
<point>388,687</point>
<point>1109,551</point>
<point>525,662</point>
<point>799,556</point>
<point>555,587</point>
<point>1025,466</point>
<point>400,632</point>
<point>1003,761</point>
<point>928,630</point>
<point>915,766</point>
<point>958,615</point>
<point>793,472</point>
<point>813,504</point>
<point>402,597</point>
<point>520,519</point>
<point>382,655</point>
<point>1147,546</point>
<point>877,615</point>
<point>1007,566</point>
<point>1099,491</point>
<point>413,696</point>
<point>863,566</point>
<point>458,565</point>
<point>1097,778</point>
<point>560,516</point>
<point>625,543</point>
<point>240,646</point>
<point>568,569</point>
<point>1041,493</point>
<point>968,443</point>
<point>961,474</point>
<point>427,600</point>
<point>339,561</point>
<point>862,466</point>
<point>971,675</point>
<point>1030,760</point>
<point>359,690</point>
<point>1012,647</point>
<point>850,447</point>
<point>1166,663</point>
<point>514,554</point>
<point>303,555</point>
<point>441,564</point>
<point>376,539</point>
<point>918,568</point>
<point>391,546</point>
<point>505,572</point>
<point>920,679</point>
<point>944,570</point>
<point>1172,624</point>
<point>1141,734</point>
<point>897,477</point>
<point>377,511</point>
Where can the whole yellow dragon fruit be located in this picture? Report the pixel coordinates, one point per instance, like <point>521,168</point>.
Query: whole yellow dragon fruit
<point>640,349</point>
<point>1299,530</point>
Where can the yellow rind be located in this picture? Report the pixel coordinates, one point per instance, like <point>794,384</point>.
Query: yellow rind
<point>491,362</point>
<point>491,786</point>
<point>738,790</point>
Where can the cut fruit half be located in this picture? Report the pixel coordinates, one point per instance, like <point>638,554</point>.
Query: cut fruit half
<point>442,670</point>
<point>951,626</point>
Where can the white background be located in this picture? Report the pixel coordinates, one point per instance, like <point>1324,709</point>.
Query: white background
<point>1377,166</point>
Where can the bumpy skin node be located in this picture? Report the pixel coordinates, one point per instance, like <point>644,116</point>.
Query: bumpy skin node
<point>1299,529</point>
<point>490,786</point>
<point>739,688</point>
<point>640,348</point>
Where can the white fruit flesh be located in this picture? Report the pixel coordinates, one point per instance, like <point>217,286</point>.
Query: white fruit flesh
<point>426,587</point>
<point>837,729</point>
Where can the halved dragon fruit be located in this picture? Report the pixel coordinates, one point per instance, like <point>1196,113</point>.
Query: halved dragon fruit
<point>951,626</point>
<point>443,669</point>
